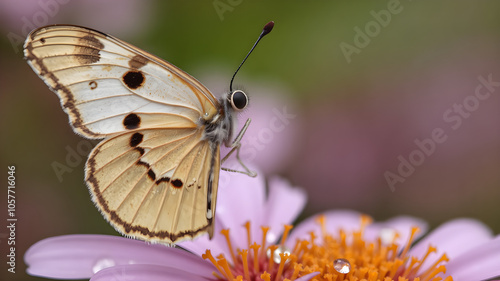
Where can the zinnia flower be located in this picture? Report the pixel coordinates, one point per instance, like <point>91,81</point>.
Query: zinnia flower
<point>338,245</point>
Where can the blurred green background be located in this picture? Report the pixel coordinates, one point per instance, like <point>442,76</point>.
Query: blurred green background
<point>357,115</point>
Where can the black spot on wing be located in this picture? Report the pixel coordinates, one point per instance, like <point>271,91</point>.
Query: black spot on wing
<point>151,174</point>
<point>177,183</point>
<point>164,179</point>
<point>133,79</point>
<point>136,139</point>
<point>140,149</point>
<point>131,121</point>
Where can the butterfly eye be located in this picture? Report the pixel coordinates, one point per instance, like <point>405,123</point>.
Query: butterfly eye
<point>239,100</point>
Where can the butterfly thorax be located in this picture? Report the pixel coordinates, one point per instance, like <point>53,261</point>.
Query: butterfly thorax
<point>219,128</point>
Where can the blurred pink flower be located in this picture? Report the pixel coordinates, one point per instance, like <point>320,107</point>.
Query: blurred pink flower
<point>273,134</point>
<point>18,18</point>
<point>344,244</point>
<point>358,133</point>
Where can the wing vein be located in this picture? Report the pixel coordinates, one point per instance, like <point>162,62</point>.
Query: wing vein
<point>175,221</point>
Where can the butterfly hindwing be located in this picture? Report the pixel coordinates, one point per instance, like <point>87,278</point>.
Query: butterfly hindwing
<point>154,176</point>
<point>152,184</point>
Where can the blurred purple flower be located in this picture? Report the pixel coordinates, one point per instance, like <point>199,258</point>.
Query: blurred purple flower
<point>251,225</point>
<point>273,134</point>
<point>18,18</point>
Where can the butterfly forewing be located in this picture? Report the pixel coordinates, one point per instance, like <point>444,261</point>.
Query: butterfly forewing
<point>154,176</point>
<point>99,77</point>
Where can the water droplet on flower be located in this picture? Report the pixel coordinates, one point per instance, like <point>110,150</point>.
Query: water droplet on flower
<point>102,264</point>
<point>277,252</point>
<point>342,266</point>
<point>387,235</point>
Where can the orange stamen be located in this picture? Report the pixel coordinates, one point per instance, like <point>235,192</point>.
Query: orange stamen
<point>249,235</point>
<point>372,275</point>
<point>430,250</point>
<point>265,229</point>
<point>365,221</point>
<point>223,263</point>
<point>225,232</point>
<point>244,260</point>
<point>270,266</point>
<point>265,276</point>
<point>297,268</point>
<point>434,272</point>
<point>285,233</point>
<point>342,236</point>
<point>208,255</point>
<point>284,258</point>
<point>413,261</point>
<point>255,247</point>
<point>321,220</point>
<point>313,237</point>
<point>414,230</point>
<point>395,265</point>
<point>368,260</point>
<point>217,276</point>
<point>433,268</point>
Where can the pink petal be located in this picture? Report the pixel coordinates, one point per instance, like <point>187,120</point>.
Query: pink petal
<point>80,256</point>
<point>307,277</point>
<point>240,199</point>
<point>402,225</point>
<point>335,220</point>
<point>453,238</point>
<point>217,245</point>
<point>140,272</point>
<point>283,206</point>
<point>480,263</point>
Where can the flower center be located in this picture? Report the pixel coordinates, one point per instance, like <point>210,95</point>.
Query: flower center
<point>345,256</point>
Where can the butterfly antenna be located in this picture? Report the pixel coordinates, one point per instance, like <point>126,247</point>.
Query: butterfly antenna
<point>267,28</point>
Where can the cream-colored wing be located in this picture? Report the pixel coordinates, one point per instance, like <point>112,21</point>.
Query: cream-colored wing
<point>107,86</point>
<point>158,185</point>
<point>153,176</point>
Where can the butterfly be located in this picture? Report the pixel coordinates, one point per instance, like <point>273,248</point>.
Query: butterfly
<point>154,176</point>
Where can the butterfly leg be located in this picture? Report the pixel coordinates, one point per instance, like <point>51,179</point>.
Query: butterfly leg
<point>235,146</point>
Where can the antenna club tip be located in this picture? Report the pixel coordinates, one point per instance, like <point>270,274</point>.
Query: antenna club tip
<point>267,28</point>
